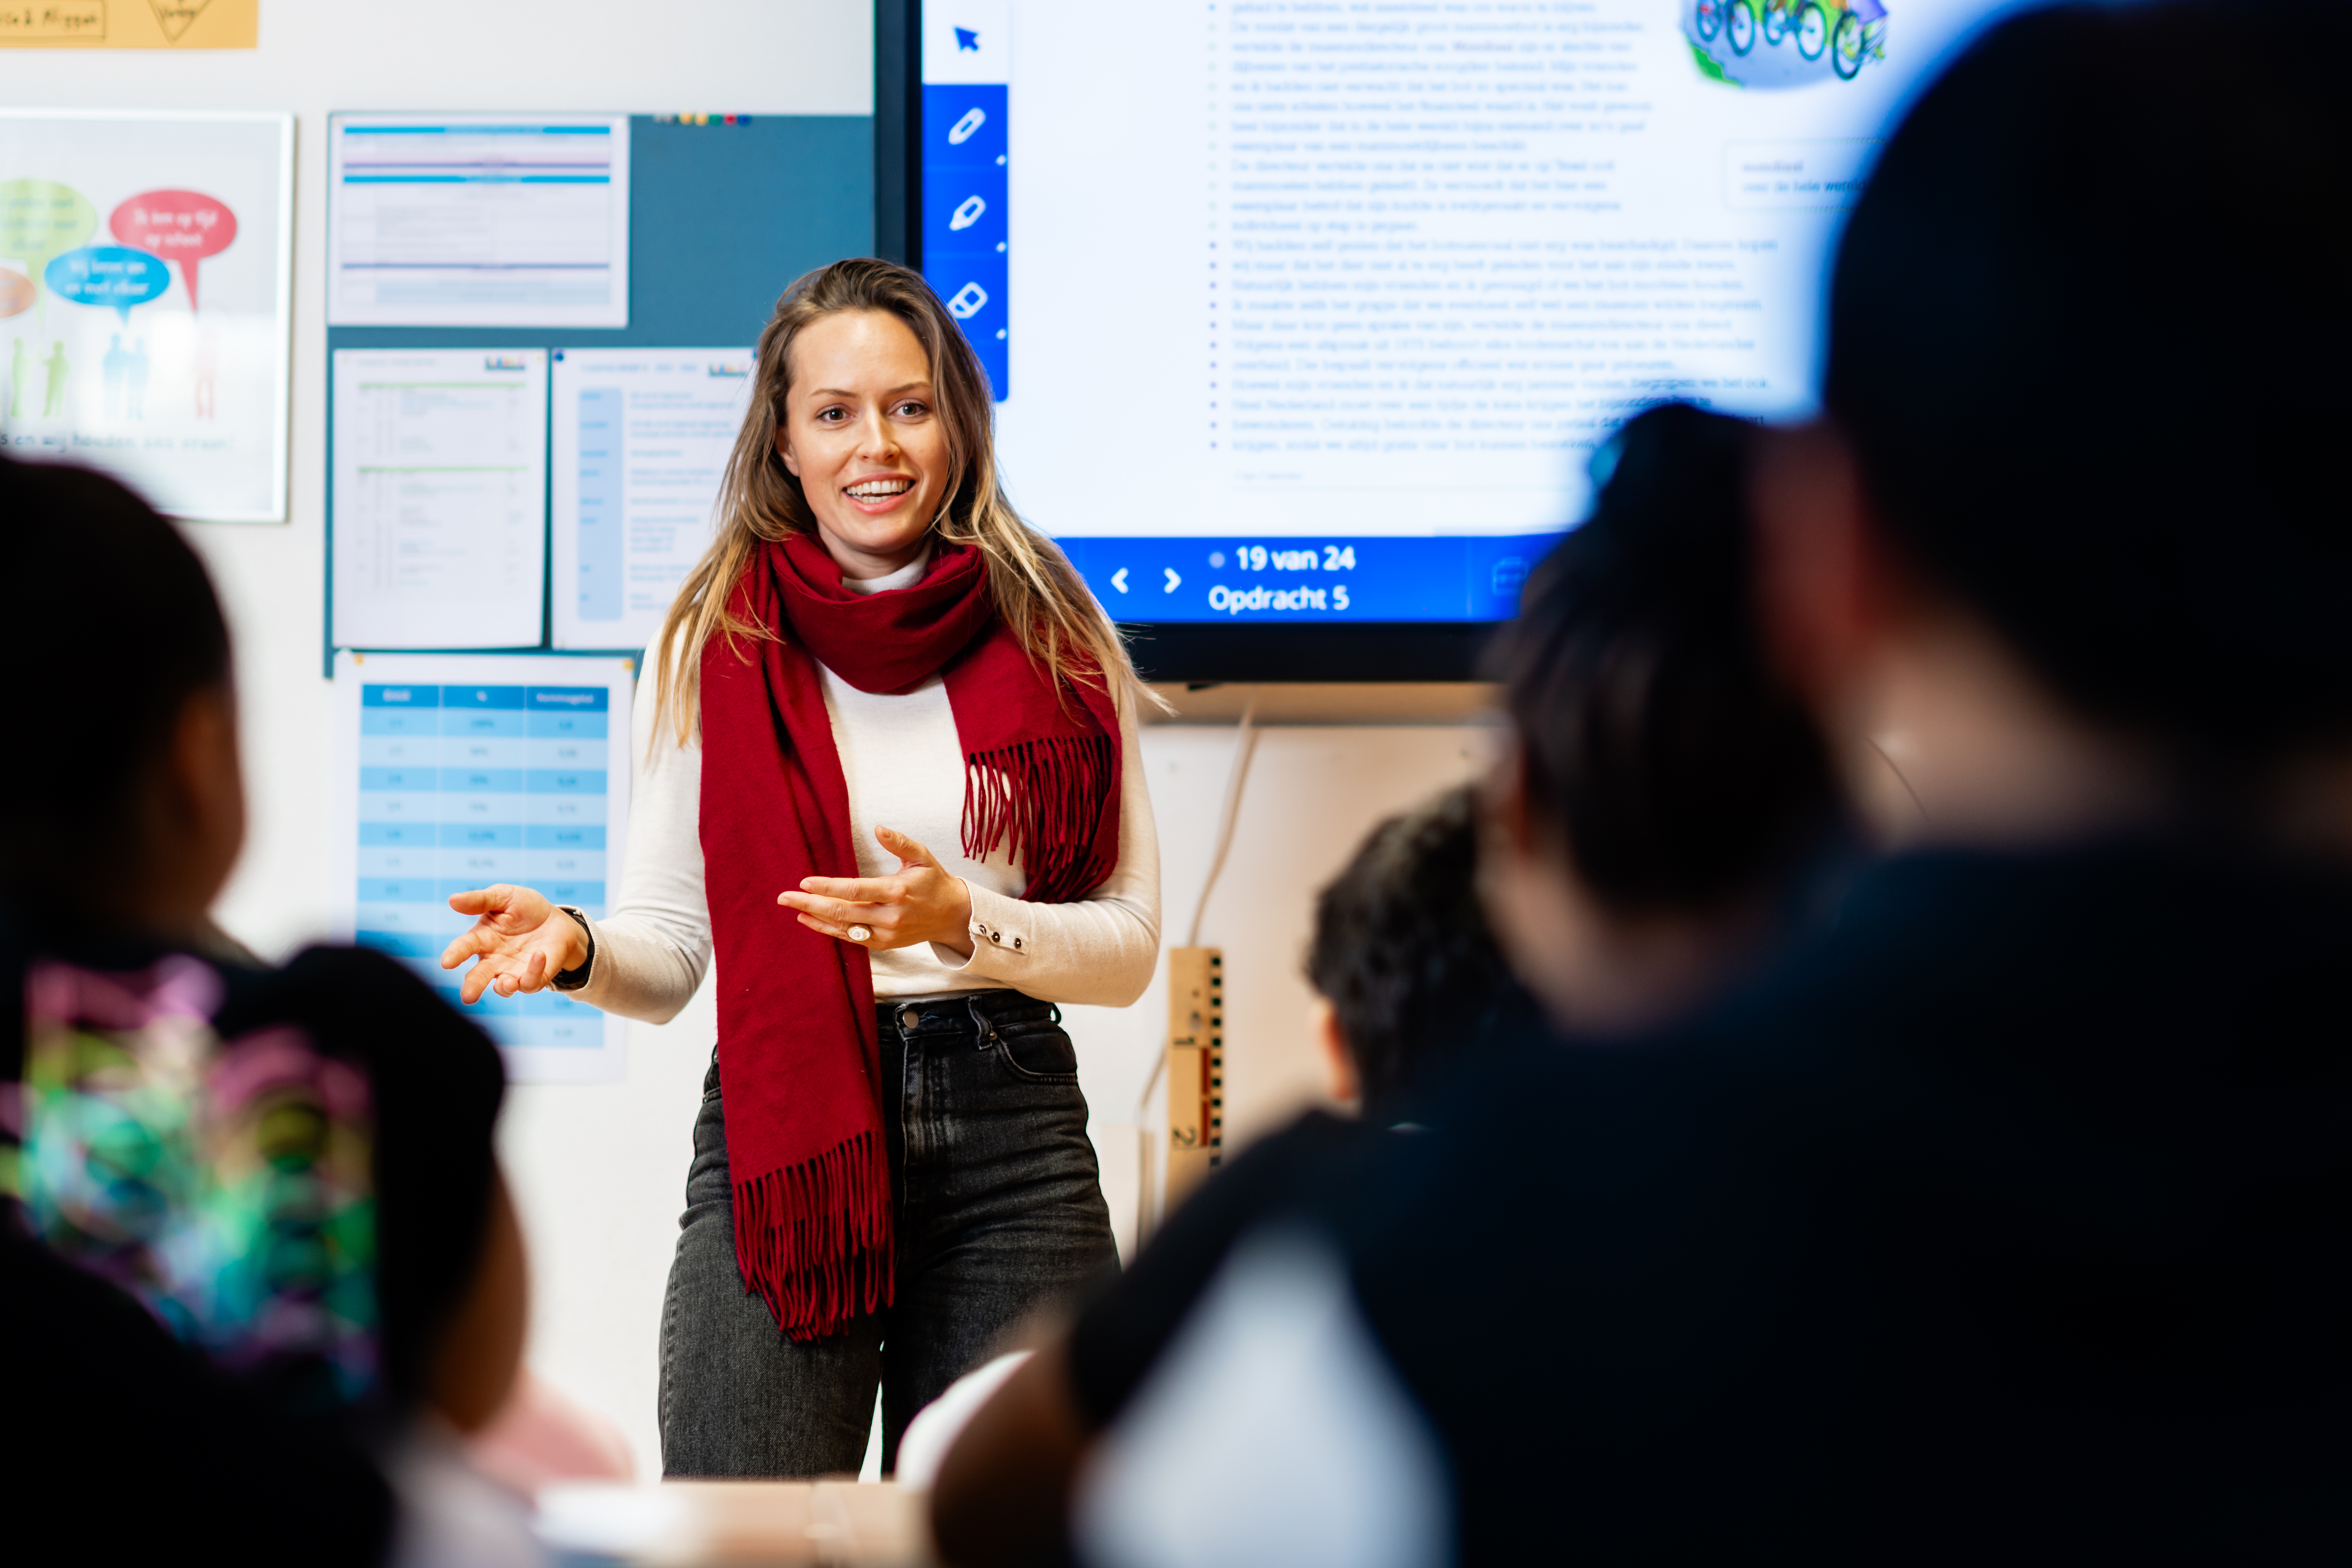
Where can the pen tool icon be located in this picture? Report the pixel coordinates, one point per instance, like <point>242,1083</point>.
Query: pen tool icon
<point>961,131</point>
<point>968,214</point>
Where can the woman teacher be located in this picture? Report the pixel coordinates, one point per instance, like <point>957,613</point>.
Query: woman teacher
<point>890,779</point>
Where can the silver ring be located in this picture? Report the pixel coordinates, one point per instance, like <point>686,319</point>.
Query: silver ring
<point>861,934</point>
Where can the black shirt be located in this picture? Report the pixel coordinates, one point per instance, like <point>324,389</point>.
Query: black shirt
<point>2015,1215</point>
<point>1125,1327</point>
<point>2011,1216</point>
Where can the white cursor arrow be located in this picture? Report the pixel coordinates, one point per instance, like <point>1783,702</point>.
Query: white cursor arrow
<point>1174,582</point>
<point>1119,579</point>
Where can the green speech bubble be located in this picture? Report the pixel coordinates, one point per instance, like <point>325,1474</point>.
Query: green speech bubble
<point>41,219</point>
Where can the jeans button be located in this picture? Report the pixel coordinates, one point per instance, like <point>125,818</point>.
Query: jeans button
<point>910,1018</point>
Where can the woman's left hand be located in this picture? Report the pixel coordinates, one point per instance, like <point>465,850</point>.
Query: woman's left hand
<point>921,903</point>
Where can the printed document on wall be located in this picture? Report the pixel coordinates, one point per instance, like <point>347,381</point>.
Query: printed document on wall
<point>440,498</point>
<point>478,220</point>
<point>641,439</point>
<point>454,771</point>
<point>146,289</point>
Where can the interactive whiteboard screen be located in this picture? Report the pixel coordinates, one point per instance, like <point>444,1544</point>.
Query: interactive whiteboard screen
<point>1314,311</point>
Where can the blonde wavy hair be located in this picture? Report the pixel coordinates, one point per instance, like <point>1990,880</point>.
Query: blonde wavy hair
<point>1040,597</point>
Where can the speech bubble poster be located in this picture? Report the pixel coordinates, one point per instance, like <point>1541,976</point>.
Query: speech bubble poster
<point>145,269</point>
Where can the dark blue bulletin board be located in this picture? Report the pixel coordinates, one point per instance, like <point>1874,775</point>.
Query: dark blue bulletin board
<point>723,212</point>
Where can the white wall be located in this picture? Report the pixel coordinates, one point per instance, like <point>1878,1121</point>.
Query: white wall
<point>599,1170</point>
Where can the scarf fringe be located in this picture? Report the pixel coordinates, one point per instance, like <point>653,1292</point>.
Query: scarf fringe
<point>1043,799</point>
<point>813,1239</point>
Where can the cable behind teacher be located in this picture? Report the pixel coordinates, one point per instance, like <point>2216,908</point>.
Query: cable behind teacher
<point>890,778</point>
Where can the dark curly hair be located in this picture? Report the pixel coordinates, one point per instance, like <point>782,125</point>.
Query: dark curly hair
<point>1656,742</point>
<point>1402,951</point>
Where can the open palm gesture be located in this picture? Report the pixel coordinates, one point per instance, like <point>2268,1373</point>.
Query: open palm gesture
<point>520,941</point>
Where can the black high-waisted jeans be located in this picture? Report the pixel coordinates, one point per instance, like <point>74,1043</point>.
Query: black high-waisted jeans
<point>998,1210</point>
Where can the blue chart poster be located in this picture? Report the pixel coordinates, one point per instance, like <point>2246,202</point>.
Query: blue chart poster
<point>455,772</point>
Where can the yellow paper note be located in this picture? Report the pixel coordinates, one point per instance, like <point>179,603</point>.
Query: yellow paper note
<point>130,24</point>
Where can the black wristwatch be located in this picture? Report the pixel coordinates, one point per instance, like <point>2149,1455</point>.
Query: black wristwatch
<point>573,979</point>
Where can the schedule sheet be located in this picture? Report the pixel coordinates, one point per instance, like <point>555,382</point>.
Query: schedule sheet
<point>455,772</point>
<point>440,498</point>
<point>478,220</point>
<point>641,439</point>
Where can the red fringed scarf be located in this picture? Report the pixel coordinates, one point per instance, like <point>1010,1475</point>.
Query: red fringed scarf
<point>797,1049</point>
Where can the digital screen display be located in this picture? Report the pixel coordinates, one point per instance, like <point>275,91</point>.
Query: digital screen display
<point>1314,311</point>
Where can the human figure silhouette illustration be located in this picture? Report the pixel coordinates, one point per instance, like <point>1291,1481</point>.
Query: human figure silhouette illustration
<point>135,369</point>
<point>112,371</point>
<point>53,391</point>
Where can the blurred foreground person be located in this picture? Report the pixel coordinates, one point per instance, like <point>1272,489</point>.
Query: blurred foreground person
<point>256,1257</point>
<point>1665,794</point>
<point>2012,1217</point>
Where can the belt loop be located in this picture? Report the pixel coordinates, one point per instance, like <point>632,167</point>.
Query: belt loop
<point>980,1021</point>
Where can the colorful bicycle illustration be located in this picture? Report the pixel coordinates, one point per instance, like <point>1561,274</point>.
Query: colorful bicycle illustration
<point>1848,31</point>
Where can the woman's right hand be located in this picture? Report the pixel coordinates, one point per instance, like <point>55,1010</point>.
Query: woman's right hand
<point>522,941</point>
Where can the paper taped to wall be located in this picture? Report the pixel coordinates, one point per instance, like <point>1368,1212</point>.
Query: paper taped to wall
<point>641,439</point>
<point>456,771</point>
<point>478,220</point>
<point>440,498</point>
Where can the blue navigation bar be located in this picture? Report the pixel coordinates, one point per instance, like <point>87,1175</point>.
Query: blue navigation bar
<point>1307,580</point>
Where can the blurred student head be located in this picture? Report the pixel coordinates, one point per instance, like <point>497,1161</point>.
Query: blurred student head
<point>2072,547</point>
<point>1660,787</point>
<point>120,820</point>
<point>125,804</point>
<point>1409,973</point>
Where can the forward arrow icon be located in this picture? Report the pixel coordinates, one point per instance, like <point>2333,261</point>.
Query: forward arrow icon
<point>1174,582</point>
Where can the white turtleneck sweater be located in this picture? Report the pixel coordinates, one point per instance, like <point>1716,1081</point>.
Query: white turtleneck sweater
<point>905,770</point>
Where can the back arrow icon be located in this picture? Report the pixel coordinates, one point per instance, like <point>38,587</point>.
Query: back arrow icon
<point>1173,580</point>
<point>1119,579</point>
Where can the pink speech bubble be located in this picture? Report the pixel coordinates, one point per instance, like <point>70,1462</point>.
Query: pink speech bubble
<point>184,227</point>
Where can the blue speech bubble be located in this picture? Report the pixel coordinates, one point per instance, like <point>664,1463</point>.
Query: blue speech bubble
<point>111,275</point>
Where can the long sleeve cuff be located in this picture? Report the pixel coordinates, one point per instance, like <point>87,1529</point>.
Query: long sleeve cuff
<point>1002,939</point>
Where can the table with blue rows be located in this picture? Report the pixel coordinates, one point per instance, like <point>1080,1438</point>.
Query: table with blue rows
<point>461,787</point>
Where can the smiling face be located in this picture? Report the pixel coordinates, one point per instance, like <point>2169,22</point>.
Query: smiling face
<point>863,434</point>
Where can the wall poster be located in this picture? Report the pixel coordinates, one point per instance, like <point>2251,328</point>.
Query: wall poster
<point>130,25</point>
<point>456,771</point>
<point>146,264</point>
